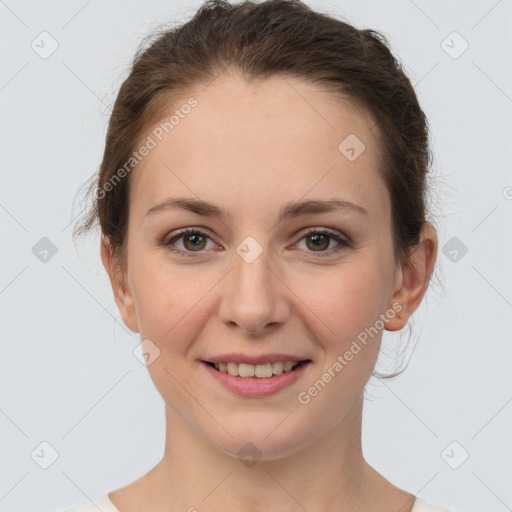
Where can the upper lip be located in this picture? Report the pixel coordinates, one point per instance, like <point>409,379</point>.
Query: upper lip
<point>236,357</point>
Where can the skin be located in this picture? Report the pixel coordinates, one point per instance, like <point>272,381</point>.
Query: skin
<point>230,150</point>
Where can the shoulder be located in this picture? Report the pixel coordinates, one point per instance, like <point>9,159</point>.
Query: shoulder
<point>423,506</point>
<point>103,503</point>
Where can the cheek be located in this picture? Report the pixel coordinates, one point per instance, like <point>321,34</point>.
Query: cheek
<point>156,301</point>
<point>345,326</point>
<point>346,305</point>
<point>171,302</point>
<point>169,311</point>
<point>347,298</point>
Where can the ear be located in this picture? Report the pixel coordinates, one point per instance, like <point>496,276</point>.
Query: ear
<point>412,280</point>
<point>122,293</point>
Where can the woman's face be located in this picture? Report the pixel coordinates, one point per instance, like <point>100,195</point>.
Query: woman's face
<point>253,281</point>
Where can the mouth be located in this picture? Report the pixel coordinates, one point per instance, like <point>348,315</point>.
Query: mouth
<point>271,373</point>
<point>257,371</point>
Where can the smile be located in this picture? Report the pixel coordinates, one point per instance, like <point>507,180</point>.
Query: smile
<point>260,371</point>
<point>256,380</point>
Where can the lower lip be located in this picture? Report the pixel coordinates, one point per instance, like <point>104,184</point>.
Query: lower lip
<point>254,386</point>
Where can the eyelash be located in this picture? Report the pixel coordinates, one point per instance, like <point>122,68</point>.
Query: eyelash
<point>343,243</point>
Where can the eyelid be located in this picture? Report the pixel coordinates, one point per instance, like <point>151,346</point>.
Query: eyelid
<point>343,241</point>
<point>168,241</point>
<point>322,230</point>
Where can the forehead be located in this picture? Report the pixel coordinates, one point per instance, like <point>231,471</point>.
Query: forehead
<point>243,142</point>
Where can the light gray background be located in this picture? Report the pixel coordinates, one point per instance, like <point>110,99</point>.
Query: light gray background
<point>68,374</point>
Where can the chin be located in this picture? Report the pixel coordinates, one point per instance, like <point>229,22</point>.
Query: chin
<point>254,444</point>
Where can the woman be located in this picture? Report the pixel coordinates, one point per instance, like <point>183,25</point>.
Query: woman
<point>262,205</point>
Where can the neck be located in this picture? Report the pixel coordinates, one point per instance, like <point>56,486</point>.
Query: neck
<point>326,475</point>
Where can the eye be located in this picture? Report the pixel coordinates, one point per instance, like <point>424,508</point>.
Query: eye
<point>319,240</point>
<point>194,240</point>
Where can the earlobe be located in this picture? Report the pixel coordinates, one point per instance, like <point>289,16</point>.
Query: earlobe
<point>122,293</point>
<point>414,278</point>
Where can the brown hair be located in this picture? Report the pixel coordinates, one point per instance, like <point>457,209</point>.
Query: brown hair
<point>284,37</point>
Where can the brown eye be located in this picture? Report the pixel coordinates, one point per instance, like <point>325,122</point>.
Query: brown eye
<point>197,242</point>
<point>318,241</point>
<point>193,240</point>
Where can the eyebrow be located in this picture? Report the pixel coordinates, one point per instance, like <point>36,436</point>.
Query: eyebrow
<point>290,210</point>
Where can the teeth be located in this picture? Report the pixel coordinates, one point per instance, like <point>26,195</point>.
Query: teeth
<point>262,371</point>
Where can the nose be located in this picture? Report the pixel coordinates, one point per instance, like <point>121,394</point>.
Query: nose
<point>254,296</point>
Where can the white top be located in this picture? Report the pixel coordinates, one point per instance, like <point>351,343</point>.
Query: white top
<point>104,504</point>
